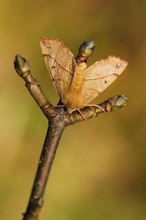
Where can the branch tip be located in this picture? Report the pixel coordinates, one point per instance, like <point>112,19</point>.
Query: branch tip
<point>115,103</point>
<point>87,48</point>
<point>21,66</point>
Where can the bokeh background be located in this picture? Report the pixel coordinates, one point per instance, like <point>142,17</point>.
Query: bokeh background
<point>100,167</point>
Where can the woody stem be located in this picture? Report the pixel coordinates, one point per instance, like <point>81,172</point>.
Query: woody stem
<point>55,129</point>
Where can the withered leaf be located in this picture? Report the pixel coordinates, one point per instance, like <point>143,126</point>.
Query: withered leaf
<point>75,84</point>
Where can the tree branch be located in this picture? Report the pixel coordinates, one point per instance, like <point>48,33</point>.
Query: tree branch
<point>58,118</point>
<point>54,132</point>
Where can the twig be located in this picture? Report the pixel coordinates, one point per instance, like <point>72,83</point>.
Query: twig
<point>58,119</point>
<point>54,132</point>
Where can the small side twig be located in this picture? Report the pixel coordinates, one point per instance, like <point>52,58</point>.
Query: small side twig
<point>58,119</point>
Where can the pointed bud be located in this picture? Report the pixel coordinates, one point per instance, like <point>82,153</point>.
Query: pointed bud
<point>21,66</point>
<point>87,48</point>
<point>119,102</point>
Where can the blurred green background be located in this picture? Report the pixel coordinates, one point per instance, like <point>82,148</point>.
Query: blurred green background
<point>100,167</point>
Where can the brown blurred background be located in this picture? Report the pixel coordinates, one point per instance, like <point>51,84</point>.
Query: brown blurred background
<point>100,167</point>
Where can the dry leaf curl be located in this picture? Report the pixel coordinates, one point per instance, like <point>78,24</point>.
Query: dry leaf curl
<point>75,84</point>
